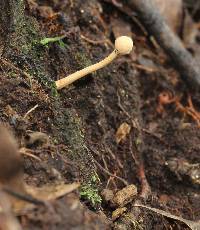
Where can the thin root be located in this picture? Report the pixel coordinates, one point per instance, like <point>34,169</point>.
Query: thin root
<point>25,152</point>
<point>30,111</point>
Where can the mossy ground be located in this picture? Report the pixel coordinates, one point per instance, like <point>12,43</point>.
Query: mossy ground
<point>82,119</point>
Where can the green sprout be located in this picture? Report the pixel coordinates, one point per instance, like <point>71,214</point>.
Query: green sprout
<point>58,39</point>
<point>89,191</point>
<point>91,194</point>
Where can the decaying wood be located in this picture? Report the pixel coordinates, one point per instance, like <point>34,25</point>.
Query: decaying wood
<point>156,25</point>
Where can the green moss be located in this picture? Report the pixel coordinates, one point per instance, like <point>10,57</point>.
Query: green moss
<point>73,135</point>
<point>54,91</point>
<point>70,132</point>
<point>90,192</point>
<point>24,42</point>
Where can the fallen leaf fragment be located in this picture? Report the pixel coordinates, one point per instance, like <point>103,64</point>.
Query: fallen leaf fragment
<point>45,193</point>
<point>51,192</point>
<point>122,132</point>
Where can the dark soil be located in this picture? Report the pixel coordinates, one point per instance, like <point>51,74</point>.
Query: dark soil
<point>101,102</point>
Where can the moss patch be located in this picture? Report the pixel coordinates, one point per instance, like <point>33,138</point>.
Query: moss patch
<point>90,191</point>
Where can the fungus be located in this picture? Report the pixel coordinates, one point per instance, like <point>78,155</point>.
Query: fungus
<point>123,45</point>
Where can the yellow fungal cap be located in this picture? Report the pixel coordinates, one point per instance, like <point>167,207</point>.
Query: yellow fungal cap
<point>124,45</point>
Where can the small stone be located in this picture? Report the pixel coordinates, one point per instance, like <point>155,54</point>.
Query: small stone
<point>124,196</point>
<point>107,194</point>
<point>118,212</point>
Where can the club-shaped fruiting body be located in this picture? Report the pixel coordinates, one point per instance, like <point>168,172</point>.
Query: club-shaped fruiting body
<point>123,45</point>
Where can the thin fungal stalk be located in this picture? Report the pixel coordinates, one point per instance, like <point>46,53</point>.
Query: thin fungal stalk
<point>81,73</point>
<point>123,45</point>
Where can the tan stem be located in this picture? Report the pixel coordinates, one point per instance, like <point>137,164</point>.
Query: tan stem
<point>81,73</point>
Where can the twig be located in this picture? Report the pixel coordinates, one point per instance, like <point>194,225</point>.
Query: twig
<point>193,225</point>
<point>24,152</point>
<point>147,69</point>
<point>156,25</point>
<point>24,197</point>
<point>30,111</point>
<point>121,107</point>
<point>145,188</point>
<point>110,174</point>
<point>126,10</point>
<point>96,42</point>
